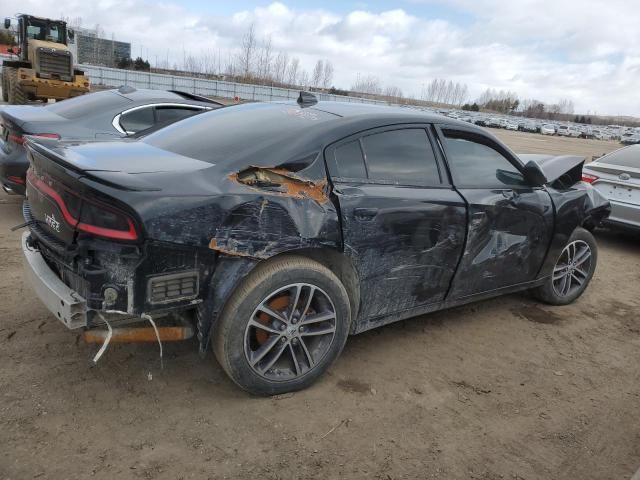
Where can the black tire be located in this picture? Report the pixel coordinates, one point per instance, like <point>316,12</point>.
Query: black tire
<point>233,333</point>
<point>16,95</point>
<point>555,292</point>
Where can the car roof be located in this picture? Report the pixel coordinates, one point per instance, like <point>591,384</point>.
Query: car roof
<point>148,95</point>
<point>345,110</point>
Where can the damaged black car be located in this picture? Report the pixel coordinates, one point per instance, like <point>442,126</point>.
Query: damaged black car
<point>272,231</point>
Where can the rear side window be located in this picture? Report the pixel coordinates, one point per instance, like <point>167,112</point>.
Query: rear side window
<point>350,161</point>
<point>401,156</point>
<point>137,120</point>
<point>173,114</point>
<point>476,165</point>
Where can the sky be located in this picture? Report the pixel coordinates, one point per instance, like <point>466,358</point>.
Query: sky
<point>587,51</point>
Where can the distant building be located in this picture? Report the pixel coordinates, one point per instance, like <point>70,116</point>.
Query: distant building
<point>92,49</point>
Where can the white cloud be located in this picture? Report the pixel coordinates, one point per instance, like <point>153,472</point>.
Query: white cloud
<point>585,50</point>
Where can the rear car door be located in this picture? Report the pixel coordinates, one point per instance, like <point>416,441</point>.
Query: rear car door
<point>510,224</point>
<point>402,223</point>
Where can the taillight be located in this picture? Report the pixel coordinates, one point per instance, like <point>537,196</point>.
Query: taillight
<point>87,215</point>
<point>14,179</point>
<point>19,139</point>
<point>589,178</point>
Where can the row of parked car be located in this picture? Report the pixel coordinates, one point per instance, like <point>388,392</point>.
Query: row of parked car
<point>273,231</point>
<point>625,135</point>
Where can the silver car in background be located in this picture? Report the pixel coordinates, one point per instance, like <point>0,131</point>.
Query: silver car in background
<point>617,177</point>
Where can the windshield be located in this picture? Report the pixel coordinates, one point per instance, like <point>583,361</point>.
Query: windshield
<point>49,31</point>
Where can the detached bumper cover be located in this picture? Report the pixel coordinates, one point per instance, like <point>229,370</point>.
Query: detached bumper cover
<point>67,306</point>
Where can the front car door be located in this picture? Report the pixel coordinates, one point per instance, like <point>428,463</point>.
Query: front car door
<point>403,224</point>
<point>510,224</point>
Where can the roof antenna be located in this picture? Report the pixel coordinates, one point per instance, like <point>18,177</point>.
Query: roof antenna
<point>307,99</point>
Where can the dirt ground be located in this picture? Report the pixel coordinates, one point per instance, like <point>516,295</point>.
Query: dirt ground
<point>503,389</point>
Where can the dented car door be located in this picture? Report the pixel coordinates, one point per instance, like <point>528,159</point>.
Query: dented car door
<point>510,222</point>
<point>403,224</point>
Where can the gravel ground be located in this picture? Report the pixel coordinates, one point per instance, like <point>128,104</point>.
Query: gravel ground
<point>502,389</point>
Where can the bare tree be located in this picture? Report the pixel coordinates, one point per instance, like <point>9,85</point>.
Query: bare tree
<point>265,59</point>
<point>318,72</point>
<point>304,79</point>
<point>368,84</point>
<point>327,76</point>
<point>566,106</point>
<point>247,53</point>
<point>293,71</point>
<point>280,67</point>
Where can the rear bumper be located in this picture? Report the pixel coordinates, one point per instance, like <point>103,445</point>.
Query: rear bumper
<point>63,302</point>
<point>624,215</point>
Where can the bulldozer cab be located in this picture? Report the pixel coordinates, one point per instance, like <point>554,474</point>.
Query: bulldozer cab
<point>36,28</point>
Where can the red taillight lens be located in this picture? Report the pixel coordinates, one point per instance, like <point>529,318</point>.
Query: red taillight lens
<point>47,135</point>
<point>19,139</point>
<point>589,178</point>
<point>18,180</point>
<point>95,218</point>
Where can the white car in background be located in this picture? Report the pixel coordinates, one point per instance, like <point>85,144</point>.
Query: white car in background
<point>548,130</point>
<point>511,126</point>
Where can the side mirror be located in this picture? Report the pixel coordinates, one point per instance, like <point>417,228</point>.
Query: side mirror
<point>71,34</point>
<point>7,23</point>
<point>534,175</point>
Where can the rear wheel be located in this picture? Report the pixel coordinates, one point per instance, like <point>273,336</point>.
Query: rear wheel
<point>573,270</point>
<point>283,327</point>
<point>16,95</point>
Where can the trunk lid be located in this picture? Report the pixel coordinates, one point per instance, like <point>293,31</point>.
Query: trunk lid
<point>20,120</point>
<point>79,188</point>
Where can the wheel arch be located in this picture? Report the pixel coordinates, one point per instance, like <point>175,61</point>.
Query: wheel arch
<point>231,272</point>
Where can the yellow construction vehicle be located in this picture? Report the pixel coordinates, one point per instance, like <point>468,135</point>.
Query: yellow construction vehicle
<point>44,67</point>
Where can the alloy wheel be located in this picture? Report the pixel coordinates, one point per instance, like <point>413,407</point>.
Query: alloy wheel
<point>290,332</point>
<point>572,269</point>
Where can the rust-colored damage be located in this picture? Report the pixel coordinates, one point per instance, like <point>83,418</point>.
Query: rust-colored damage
<point>213,245</point>
<point>266,179</point>
<point>139,334</point>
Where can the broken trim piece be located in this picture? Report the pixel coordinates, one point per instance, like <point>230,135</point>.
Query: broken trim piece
<point>278,181</point>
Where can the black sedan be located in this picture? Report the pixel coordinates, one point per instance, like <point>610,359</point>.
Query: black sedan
<point>109,114</point>
<point>275,230</point>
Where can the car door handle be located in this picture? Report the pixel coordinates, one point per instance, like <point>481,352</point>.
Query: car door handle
<point>365,213</point>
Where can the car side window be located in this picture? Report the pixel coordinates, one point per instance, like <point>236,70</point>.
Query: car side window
<point>137,120</point>
<point>350,161</point>
<point>402,157</point>
<point>475,165</point>
<point>173,114</point>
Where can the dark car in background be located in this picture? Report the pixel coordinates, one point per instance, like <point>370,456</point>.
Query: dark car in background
<point>277,230</point>
<point>104,115</point>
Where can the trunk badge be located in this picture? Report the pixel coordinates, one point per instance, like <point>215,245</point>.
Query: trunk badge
<point>624,176</point>
<point>52,222</point>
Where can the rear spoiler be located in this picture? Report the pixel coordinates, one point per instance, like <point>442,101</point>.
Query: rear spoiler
<point>114,179</point>
<point>555,167</point>
<point>198,98</point>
